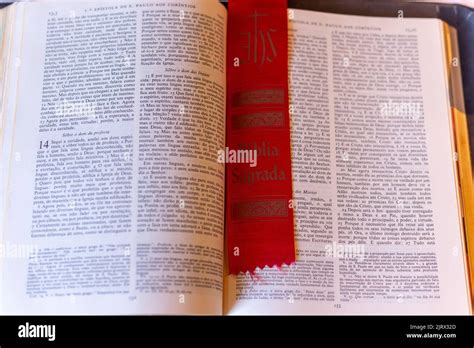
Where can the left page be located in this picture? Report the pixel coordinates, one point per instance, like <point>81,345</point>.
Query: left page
<point>114,197</point>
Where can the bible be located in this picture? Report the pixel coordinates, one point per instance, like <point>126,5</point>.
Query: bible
<point>113,116</point>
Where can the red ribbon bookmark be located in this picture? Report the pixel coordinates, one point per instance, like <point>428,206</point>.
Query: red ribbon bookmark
<point>259,220</point>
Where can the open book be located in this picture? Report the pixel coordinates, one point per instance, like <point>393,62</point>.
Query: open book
<point>113,202</point>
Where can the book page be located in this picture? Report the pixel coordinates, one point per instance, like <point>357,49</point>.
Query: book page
<point>9,47</point>
<point>115,195</point>
<point>377,218</point>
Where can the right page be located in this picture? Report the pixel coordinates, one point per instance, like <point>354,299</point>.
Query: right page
<point>378,224</point>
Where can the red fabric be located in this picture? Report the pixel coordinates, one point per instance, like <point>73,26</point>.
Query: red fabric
<point>259,222</point>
